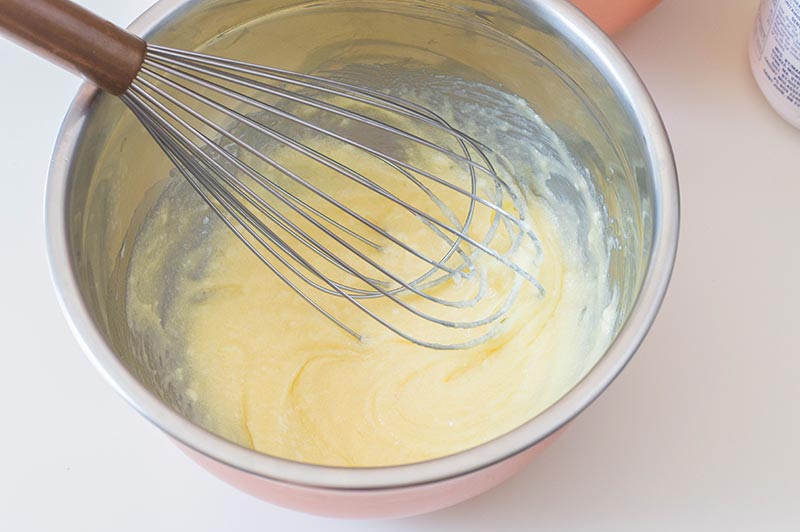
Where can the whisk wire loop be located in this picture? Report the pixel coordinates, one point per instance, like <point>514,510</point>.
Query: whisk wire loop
<point>244,157</point>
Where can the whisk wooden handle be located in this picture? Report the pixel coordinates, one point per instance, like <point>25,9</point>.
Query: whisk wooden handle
<point>75,38</point>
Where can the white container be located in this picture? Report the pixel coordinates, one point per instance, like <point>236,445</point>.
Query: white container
<point>775,56</point>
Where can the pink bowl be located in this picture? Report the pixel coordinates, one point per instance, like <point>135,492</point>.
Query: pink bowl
<point>552,40</point>
<point>614,15</point>
<point>374,503</point>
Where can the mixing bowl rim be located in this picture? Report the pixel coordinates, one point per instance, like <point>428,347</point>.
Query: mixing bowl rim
<point>606,57</point>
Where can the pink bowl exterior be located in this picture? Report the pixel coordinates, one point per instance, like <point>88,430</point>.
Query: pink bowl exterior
<point>614,15</point>
<point>375,503</point>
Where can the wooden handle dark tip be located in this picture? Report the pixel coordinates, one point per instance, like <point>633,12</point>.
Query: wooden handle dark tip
<point>73,37</point>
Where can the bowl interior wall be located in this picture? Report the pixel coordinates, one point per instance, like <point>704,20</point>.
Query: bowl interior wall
<point>117,171</point>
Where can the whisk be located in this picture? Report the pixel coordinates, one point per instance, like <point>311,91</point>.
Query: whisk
<point>342,191</point>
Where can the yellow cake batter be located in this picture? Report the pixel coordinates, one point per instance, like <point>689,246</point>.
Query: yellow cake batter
<point>264,369</point>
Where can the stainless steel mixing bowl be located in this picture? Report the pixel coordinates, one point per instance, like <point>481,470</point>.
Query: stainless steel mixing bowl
<point>106,173</point>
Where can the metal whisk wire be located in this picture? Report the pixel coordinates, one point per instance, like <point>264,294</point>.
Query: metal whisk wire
<point>344,192</point>
<point>287,219</point>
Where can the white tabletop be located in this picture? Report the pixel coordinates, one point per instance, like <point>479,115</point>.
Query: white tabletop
<point>700,432</point>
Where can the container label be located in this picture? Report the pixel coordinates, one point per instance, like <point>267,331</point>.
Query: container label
<point>776,39</point>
